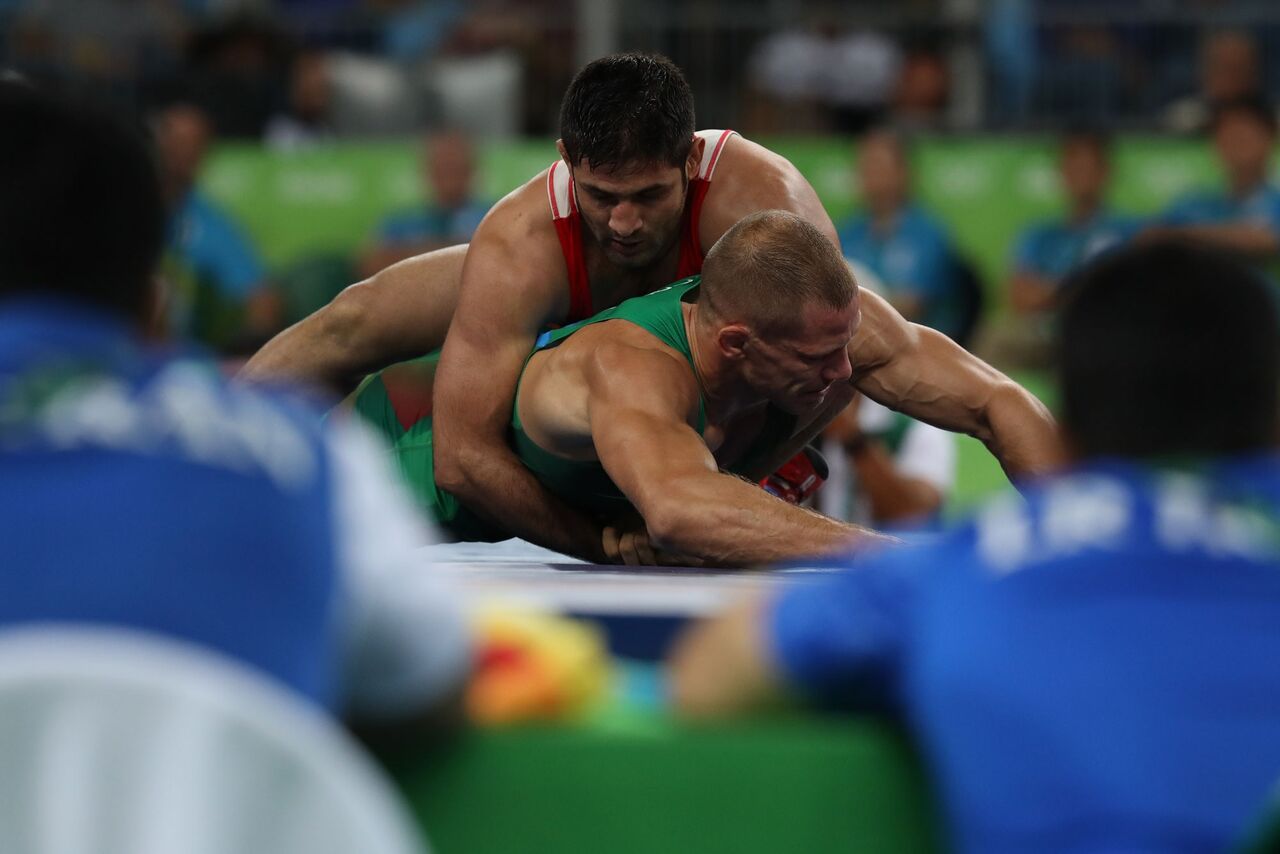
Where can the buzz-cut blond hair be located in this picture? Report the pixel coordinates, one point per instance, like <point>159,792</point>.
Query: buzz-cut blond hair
<point>768,267</point>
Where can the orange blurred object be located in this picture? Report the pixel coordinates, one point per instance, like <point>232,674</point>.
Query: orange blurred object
<point>535,666</point>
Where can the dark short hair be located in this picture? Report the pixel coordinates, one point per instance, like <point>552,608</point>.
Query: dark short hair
<point>80,207</point>
<point>767,267</point>
<point>628,108</point>
<point>1166,350</point>
<point>1254,107</point>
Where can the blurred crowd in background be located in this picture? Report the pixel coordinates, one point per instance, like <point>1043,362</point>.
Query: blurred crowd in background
<point>287,71</point>
<point>294,76</point>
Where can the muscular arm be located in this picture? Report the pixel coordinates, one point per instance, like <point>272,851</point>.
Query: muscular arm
<point>396,314</point>
<point>644,441</point>
<point>723,666</point>
<point>510,289</point>
<point>1258,241</point>
<point>926,375</point>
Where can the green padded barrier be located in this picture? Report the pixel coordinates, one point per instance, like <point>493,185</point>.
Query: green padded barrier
<point>638,782</point>
<point>985,189</point>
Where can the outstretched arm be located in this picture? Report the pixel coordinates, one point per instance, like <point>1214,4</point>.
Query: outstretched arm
<point>396,314</point>
<point>926,375</point>
<point>644,440</point>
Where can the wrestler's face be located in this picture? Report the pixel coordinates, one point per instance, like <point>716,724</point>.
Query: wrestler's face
<point>1244,146</point>
<point>634,213</point>
<point>797,371</point>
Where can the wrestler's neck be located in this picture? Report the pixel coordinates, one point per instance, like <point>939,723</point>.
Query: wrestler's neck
<point>725,394</point>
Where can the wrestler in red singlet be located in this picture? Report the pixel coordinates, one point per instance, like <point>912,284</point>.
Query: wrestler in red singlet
<point>564,211</point>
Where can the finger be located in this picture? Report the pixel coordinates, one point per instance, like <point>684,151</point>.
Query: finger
<point>612,547</point>
<point>627,546</point>
<point>645,550</point>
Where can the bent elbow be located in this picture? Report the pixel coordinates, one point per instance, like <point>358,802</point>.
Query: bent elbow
<point>346,318</point>
<point>451,468</point>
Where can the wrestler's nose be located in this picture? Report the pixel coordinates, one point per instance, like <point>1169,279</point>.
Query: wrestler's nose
<point>624,220</point>
<point>840,368</point>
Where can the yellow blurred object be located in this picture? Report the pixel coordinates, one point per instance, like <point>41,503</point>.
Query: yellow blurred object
<point>534,666</point>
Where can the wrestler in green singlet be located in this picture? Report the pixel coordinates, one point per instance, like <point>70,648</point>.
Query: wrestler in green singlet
<point>583,484</point>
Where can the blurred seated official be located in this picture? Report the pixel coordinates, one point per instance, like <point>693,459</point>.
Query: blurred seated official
<point>142,492</point>
<point>899,241</point>
<point>1093,669</point>
<point>448,214</point>
<point>1045,253</point>
<point>1244,217</point>
<point>217,288</point>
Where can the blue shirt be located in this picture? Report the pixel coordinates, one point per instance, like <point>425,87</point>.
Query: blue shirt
<point>428,222</point>
<point>1214,207</point>
<point>914,259</point>
<point>145,492</point>
<point>1055,248</point>
<point>1095,670</point>
<point>208,242</point>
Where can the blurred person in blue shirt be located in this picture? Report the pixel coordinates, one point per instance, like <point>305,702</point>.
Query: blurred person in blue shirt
<point>218,288</point>
<point>1092,668</point>
<point>1244,217</point>
<point>448,214</point>
<point>901,243</point>
<point>1045,253</point>
<point>140,492</point>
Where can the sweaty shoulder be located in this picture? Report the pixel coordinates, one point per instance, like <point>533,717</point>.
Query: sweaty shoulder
<point>515,249</point>
<point>750,178</point>
<point>623,360</point>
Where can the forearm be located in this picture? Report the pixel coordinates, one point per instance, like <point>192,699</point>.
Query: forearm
<point>723,665</point>
<point>729,522</point>
<point>491,481</point>
<point>1254,240</point>
<point>329,348</point>
<point>402,312</point>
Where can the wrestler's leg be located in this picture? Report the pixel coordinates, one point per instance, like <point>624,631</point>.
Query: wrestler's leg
<point>408,433</point>
<point>399,313</point>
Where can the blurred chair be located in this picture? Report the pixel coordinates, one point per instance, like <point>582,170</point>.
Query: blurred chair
<point>115,741</point>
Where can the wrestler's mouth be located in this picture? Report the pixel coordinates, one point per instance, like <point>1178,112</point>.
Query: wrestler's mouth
<point>625,247</point>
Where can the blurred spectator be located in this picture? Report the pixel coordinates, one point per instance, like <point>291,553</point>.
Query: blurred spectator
<point>1092,668</point>
<point>306,119</point>
<point>923,89</point>
<point>1046,253</point>
<point>1244,218</point>
<point>903,245</point>
<point>1230,69</point>
<point>821,78</point>
<point>222,517</point>
<point>235,67</point>
<point>218,289</point>
<point>885,469</point>
<point>448,215</point>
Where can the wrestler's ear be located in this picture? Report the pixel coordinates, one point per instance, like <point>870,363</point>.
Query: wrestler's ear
<point>732,340</point>
<point>564,154</point>
<point>694,161</point>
